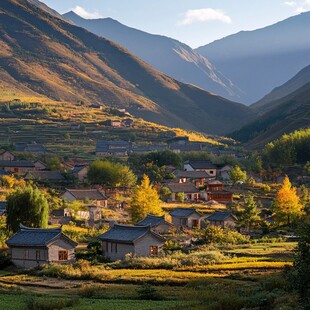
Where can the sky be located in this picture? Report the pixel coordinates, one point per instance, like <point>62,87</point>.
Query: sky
<point>194,22</point>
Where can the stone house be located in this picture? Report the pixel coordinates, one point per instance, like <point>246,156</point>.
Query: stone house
<point>198,178</point>
<point>80,172</point>
<point>6,155</point>
<point>222,219</point>
<point>191,193</point>
<point>93,196</point>
<point>158,224</point>
<point>113,148</point>
<point>139,241</point>
<point>201,165</point>
<point>185,218</point>
<point>21,166</point>
<point>31,247</point>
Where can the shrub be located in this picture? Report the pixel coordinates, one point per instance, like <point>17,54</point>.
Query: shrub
<point>89,291</point>
<point>37,303</point>
<point>148,292</point>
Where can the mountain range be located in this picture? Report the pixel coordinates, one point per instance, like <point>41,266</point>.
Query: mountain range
<point>167,55</point>
<point>43,55</point>
<point>260,60</point>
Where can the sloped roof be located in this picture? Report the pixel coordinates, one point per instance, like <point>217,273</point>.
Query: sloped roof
<point>220,216</point>
<point>183,212</point>
<point>45,175</point>
<point>16,163</point>
<point>127,233</point>
<point>186,187</point>
<point>201,164</point>
<point>152,220</point>
<point>81,194</point>
<point>36,237</point>
<point>215,182</point>
<point>77,169</point>
<point>191,174</point>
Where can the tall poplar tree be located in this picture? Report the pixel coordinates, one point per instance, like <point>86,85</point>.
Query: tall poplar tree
<point>145,199</point>
<point>286,203</point>
<point>27,206</point>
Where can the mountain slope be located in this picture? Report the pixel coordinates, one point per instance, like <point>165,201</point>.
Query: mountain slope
<point>50,57</point>
<point>289,114</point>
<point>269,101</point>
<point>260,60</point>
<point>165,54</point>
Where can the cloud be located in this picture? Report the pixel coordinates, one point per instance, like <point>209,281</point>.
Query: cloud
<point>204,15</point>
<point>299,6</point>
<point>290,3</point>
<point>85,14</point>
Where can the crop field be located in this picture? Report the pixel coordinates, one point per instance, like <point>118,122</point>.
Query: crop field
<point>244,277</point>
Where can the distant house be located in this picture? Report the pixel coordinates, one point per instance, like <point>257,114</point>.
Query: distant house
<point>21,166</point>
<point>198,178</point>
<point>113,148</point>
<point>6,155</point>
<point>215,191</point>
<point>128,122</point>
<point>186,147</point>
<point>114,123</point>
<point>93,195</point>
<point>31,247</point>
<point>201,165</point>
<point>158,223</point>
<point>148,148</point>
<point>222,219</point>
<point>139,241</point>
<point>3,207</point>
<point>223,172</point>
<point>30,147</point>
<point>191,193</point>
<point>185,218</point>
<point>80,172</point>
<point>44,176</point>
<point>60,216</point>
<point>96,106</point>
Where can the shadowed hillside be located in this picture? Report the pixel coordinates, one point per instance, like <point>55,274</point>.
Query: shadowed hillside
<point>43,55</point>
<point>167,55</point>
<point>260,60</point>
<point>289,114</point>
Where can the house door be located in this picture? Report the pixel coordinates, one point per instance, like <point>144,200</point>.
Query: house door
<point>195,223</point>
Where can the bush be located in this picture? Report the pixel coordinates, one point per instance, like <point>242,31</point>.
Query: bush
<point>148,292</point>
<point>90,291</point>
<point>37,303</point>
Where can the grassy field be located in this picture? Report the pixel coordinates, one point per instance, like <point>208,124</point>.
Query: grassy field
<point>246,277</point>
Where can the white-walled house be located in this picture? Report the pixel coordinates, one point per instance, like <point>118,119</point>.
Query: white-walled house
<point>138,241</point>
<point>31,247</point>
<point>95,196</point>
<point>201,165</point>
<point>185,218</point>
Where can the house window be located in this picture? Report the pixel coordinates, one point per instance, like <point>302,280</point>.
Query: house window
<point>107,247</point>
<point>26,254</point>
<point>62,255</point>
<point>183,222</point>
<point>113,247</point>
<point>153,250</point>
<point>38,255</point>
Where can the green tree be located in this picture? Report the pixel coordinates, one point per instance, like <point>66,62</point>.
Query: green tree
<point>180,197</point>
<point>305,198</point>
<point>287,203</point>
<point>248,217</point>
<point>27,206</point>
<point>237,175</point>
<point>145,199</point>
<point>111,174</point>
<point>53,162</point>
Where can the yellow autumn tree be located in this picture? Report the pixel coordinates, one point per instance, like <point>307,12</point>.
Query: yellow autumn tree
<point>145,199</point>
<point>286,203</point>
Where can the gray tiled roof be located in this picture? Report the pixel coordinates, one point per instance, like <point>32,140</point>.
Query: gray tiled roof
<point>127,233</point>
<point>220,216</point>
<point>16,163</point>
<point>191,174</point>
<point>186,187</point>
<point>152,220</point>
<point>77,169</point>
<point>44,175</point>
<point>201,164</point>
<point>36,237</point>
<point>81,194</point>
<point>182,212</point>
